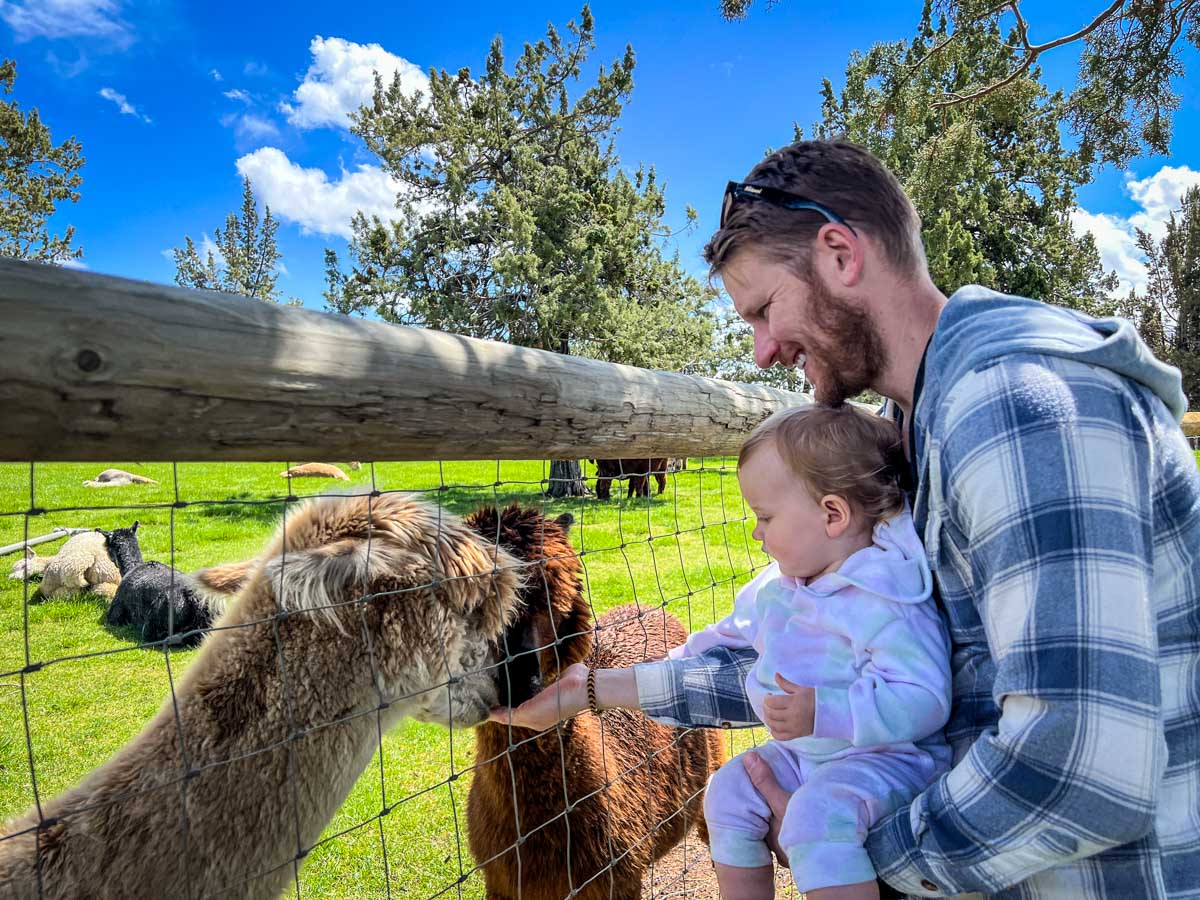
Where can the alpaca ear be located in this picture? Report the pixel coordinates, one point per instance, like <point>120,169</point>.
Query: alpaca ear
<point>134,527</point>
<point>565,521</point>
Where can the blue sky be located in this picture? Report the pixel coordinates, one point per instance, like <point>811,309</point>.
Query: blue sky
<point>173,99</point>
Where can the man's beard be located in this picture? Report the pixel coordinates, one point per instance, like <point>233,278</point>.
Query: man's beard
<point>850,351</point>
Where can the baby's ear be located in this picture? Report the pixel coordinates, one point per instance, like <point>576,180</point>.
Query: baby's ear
<point>837,515</point>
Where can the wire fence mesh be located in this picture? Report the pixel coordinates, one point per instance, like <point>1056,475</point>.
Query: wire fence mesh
<point>75,689</point>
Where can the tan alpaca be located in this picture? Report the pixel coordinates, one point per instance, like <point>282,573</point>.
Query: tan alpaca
<point>315,470</point>
<point>277,715</point>
<point>117,478</point>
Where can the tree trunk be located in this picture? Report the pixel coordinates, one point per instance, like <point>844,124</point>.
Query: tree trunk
<point>566,479</point>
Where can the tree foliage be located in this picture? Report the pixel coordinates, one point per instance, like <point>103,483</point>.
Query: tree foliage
<point>246,258</point>
<point>35,176</point>
<point>1129,59</point>
<point>1168,312</point>
<point>516,221</point>
<point>992,181</point>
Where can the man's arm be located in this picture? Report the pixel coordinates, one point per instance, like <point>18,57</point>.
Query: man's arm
<point>708,690</point>
<point>1047,481</point>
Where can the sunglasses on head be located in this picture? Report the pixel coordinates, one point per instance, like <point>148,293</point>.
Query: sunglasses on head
<point>776,197</point>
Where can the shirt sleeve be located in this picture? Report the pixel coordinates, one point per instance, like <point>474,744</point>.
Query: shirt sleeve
<point>1045,468</point>
<point>902,692</point>
<point>707,691</point>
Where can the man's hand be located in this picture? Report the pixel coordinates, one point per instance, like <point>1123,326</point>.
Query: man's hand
<point>777,799</point>
<point>790,714</point>
<point>560,701</point>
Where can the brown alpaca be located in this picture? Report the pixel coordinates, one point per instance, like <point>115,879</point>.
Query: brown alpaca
<point>358,616</point>
<point>657,773</point>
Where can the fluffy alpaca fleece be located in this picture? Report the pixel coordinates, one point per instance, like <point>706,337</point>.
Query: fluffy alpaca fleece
<point>278,713</point>
<point>315,470</point>
<point>154,598</point>
<point>81,564</point>
<point>658,773</point>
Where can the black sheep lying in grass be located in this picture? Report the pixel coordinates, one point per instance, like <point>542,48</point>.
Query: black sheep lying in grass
<point>154,598</point>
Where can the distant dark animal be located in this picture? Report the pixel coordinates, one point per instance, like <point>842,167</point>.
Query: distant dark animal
<point>154,598</point>
<point>634,786</point>
<point>638,471</point>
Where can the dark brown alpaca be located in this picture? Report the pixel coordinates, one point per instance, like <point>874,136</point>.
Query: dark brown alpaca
<point>603,846</point>
<point>638,471</point>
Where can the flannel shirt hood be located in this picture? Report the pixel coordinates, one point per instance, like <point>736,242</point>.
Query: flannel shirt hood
<point>979,325</point>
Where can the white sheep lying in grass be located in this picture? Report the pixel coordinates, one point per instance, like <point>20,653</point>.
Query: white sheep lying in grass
<point>82,564</point>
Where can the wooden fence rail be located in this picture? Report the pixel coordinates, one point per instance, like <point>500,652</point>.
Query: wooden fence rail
<point>96,368</point>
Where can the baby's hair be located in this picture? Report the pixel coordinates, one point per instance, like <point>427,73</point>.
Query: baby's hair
<point>838,450</point>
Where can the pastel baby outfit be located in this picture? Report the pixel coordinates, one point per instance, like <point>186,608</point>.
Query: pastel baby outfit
<point>869,639</point>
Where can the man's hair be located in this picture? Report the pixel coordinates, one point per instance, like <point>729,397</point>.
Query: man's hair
<point>838,450</point>
<point>840,175</point>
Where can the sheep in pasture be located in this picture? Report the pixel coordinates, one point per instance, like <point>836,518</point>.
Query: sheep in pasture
<point>361,611</point>
<point>29,565</point>
<point>657,773</point>
<point>81,564</point>
<point>315,470</point>
<point>154,598</point>
<point>638,471</point>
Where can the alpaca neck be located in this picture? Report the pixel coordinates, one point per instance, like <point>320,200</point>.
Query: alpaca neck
<point>126,556</point>
<point>237,766</point>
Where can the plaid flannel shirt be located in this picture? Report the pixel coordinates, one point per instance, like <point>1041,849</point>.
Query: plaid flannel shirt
<point>1060,506</point>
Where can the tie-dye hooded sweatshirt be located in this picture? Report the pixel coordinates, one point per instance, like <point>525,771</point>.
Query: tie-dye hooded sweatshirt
<point>867,637</point>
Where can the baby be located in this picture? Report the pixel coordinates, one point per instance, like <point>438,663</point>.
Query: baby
<point>853,675</point>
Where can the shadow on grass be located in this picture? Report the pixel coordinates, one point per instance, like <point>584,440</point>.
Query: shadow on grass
<point>244,508</point>
<point>463,502</point>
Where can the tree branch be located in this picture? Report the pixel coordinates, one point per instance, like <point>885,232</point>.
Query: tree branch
<point>1032,52</point>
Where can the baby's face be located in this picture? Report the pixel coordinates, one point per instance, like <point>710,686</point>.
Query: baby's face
<point>791,526</point>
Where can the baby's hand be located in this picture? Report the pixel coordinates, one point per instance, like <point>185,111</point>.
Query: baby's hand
<point>790,714</point>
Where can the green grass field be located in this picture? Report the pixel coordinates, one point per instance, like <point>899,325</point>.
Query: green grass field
<point>689,548</point>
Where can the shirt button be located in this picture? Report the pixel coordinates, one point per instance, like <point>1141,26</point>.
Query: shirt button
<point>928,885</point>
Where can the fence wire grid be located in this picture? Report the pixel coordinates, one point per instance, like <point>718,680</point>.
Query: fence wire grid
<point>74,690</point>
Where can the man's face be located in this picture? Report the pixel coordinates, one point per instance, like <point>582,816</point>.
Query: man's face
<point>800,322</point>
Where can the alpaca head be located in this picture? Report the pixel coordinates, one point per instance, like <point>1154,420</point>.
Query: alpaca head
<point>123,547</point>
<point>553,629</point>
<point>397,582</point>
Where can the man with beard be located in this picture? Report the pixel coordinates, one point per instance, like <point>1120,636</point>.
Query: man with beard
<point>1059,506</point>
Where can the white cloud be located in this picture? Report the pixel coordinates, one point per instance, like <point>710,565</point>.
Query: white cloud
<point>250,130</point>
<point>342,78</point>
<point>239,94</point>
<point>67,18</point>
<point>75,264</point>
<point>308,197</point>
<point>255,68</point>
<point>216,75</point>
<point>1158,195</point>
<point>1117,245</point>
<point>126,108</point>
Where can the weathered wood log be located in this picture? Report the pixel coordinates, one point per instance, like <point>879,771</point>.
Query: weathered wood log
<point>100,368</point>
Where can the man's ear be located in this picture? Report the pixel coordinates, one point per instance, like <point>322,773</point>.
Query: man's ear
<point>841,252</point>
<point>837,515</point>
